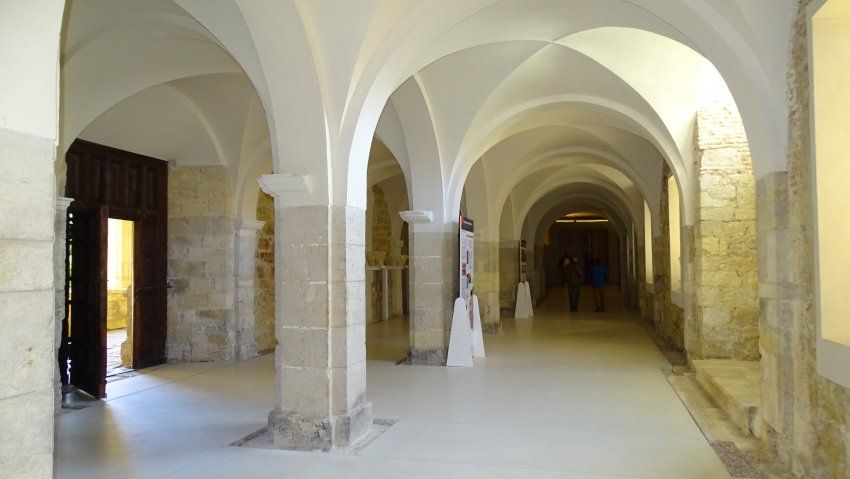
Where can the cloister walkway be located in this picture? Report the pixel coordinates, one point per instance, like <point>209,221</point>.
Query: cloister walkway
<point>559,396</point>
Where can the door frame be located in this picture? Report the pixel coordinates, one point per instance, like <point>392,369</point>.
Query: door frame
<point>132,187</point>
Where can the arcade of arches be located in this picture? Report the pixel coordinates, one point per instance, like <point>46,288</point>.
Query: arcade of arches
<point>290,175</point>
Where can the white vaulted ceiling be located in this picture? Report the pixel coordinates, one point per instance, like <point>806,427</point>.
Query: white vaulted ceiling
<point>518,88</point>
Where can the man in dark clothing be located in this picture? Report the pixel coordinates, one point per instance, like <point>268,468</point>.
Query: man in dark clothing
<point>598,279</point>
<point>573,276</point>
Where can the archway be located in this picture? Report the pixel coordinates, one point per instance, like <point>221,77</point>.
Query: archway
<point>175,95</point>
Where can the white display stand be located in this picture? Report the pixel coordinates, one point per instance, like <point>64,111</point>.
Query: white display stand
<point>477,333</point>
<point>523,301</point>
<point>529,303</point>
<point>460,340</point>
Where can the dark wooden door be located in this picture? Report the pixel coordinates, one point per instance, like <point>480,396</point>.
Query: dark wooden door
<point>84,329</point>
<point>150,288</point>
<point>134,188</point>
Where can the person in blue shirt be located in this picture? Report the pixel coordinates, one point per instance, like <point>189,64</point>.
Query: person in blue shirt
<point>598,280</point>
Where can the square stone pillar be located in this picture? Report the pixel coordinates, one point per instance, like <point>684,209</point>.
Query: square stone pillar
<point>509,274</point>
<point>320,357</point>
<point>431,288</point>
<point>487,284</point>
<point>27,309</point>
<point>245,262</point>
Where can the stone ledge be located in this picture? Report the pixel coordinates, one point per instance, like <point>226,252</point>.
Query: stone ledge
<point>735,387</point>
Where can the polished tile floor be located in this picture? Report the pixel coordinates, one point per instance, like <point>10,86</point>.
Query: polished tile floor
<point>559,396</point>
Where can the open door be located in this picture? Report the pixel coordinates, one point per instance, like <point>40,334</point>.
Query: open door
<point>134,188</point>
<point>84,328</point>
<point>149,331</point>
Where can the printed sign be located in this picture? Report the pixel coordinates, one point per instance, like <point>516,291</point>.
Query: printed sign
<point>466,258</point>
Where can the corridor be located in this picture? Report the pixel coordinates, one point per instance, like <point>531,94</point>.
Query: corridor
<point>560,395</point>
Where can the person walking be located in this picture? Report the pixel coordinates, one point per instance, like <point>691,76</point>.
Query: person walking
<point>598,280</point>
<point>573,276</point>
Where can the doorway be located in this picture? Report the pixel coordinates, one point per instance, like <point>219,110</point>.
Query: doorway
<point>119,297</point>
<point>115,287</point>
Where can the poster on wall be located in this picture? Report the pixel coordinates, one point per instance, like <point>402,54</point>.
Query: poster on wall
<point>523,261</point>
<point>466,258</point>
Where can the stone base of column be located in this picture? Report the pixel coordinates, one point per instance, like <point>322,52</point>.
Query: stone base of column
<point>427,357</point>
<point>246,351</point>
<point>296,431</point>
<point>492,327</point>
<point>351,428</point>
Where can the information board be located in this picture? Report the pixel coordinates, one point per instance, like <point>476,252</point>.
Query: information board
<point>466,259</point>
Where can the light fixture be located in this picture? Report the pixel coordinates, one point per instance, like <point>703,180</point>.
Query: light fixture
<point>597,220</point>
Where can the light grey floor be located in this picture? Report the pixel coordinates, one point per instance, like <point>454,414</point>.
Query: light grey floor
<point>560,396</point>
<point>114,338</point>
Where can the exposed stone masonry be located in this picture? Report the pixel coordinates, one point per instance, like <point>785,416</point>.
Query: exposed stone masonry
<point>508,275</point>
<point>726,273</point>
<point>807,416</point>
<point>668,317</point>
<point>320,362</point>
<point>27,304</point>
<point>379,250</point>
<point>200,265</point>
<point>264,280</point>
<point>433,279</point>
<point>487,277</point>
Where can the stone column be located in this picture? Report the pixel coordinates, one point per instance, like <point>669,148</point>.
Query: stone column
<point>245,261</point>
<point>60,224</point>
<point>487,284</point>
<point>320,357</point>
<point>27,331</point>
<point>431,289</point>
<point>781,301</point>
<point>397,279</point>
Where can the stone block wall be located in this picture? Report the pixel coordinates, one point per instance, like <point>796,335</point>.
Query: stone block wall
<point>27,323</point>
<point>378,251</point>
<point>537,273</point>
<point>433,289</point>
<point>386,245</point>
<point>200,265</point>
<point>487,284</point>
<point>668,317</point>
<point>264,279</point>
<point>508,275</point>
<point>320,364</point>
<point>117,308</point>
<point>725,266</point>
<point>807,417</point>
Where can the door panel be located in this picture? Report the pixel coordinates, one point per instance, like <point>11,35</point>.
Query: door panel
<point>85,325</point>
<point>135,188</point>
<point>149,310</point>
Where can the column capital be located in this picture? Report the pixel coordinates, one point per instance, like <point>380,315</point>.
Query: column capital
<point>249,226</point>
<point>417,217</point>
<point>284,184</point>
<point>62,203</point>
